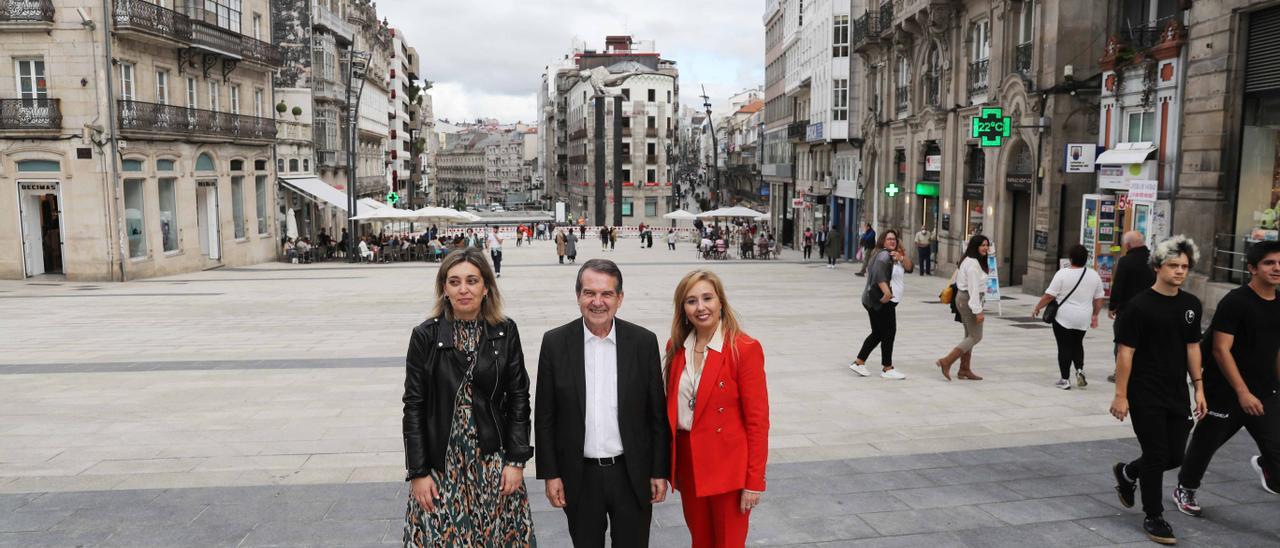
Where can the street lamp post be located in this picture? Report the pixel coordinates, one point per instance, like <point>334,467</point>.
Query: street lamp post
<point>357,65</point>
<point>715,152</point>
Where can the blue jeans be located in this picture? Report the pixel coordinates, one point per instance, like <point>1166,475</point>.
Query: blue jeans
<point>926,260</point>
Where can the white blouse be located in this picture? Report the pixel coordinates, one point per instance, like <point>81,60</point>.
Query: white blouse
<point>688,388</point>
<point>973,279</point>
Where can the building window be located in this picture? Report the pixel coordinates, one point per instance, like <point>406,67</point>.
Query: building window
<point>237,205</point>
<point>306,165</point>
<point>126,81</point>
<point>904,83</point>
<point>191,93</point>
<point>668,96</point>
<point>840,38</point>
<point>933,77</point>
<point>32,85</point>
<point>257,26</point>
<point>651,149</point>
<point>293,165</point>
<point>162,87</point>
<point>651,122</point>
<point>168,214</point>
<point>626,94</point>
<point>215,102</point>
<point>1140,127</point>
<point>235,99</point>
<point>651,206</point>
<point>653,95</point>
<point>840,99</point>
<point>626,152</point>
<point>650,175</point>
<point>257,103</point>
<point>260,193</point>
<point>626,175</point>
<point>133,218</point>
<point>280,165</point>
<point>223,13</point>
<point>626,207</point>
<point>1026,33</point>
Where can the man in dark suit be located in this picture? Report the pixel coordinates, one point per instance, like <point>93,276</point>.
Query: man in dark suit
<point>602,439</point>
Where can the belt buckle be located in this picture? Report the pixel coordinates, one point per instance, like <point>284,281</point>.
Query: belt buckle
<point>611,461</point>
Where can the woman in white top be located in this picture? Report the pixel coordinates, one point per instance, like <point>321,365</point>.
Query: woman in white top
<point>971,294</point>
<point>1079,293</point>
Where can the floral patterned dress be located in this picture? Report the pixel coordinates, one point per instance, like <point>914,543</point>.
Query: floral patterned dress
<point>471,511</point>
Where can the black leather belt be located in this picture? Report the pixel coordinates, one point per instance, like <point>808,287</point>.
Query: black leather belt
<point>605,462</point>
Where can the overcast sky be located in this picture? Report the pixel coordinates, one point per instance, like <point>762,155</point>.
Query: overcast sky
<point>486,58</point>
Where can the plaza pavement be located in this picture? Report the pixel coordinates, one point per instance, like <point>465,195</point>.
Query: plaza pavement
<point>260,406</point>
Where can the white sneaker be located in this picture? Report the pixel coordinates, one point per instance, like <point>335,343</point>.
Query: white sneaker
<point>892,374</point>
<point>859,369</point>
<point>1063,384</point>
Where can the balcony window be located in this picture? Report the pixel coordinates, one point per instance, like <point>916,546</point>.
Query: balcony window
<point>32,86</point>
<point>1140,127</point>
<point>235,99</point>
<point>904,84</point>
<point>126,81</point>
<point>191,93</point>
<point>162,87</point>
<point>840,99</point>
<point>1026,35</point>
<point>1143,20</point>
<point>840,37</point>
<point>215,102</point>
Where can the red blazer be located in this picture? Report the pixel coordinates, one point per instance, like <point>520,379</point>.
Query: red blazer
<point>730,434</point>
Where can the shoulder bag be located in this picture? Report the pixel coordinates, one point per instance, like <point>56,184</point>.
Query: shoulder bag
<point>1051,309</point>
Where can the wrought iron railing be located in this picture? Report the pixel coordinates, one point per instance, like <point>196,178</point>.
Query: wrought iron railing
<point>153,19</point>
<point>147,17</point>
<point>28,114</point>
<point>214,38</point>
<point>1145,37</point>
<point>858,31</point>
<point>978,77</point>
<point>172,119</point>
<point>797,130</point>
<point>1022,58</point>
<point>26,11</point>
<point>257,51</point>
<point>886,16</point>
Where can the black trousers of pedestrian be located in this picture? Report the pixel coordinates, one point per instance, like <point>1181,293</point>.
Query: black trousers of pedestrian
<point>831,259</point>
<point>1070,348</point>
<point>496,254</point>
<point>926,260</point>
<point>1225,418</point>
<point>884,329</point>
<point>608,501</point>
<point>822,249</point>
<point>1162,433</point>
<point>808,252</point>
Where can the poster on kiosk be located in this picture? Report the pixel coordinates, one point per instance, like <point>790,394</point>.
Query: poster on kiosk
<point>1126,199</point>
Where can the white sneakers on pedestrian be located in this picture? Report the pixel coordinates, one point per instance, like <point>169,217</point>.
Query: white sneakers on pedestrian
<point>892,375</point>
<point>859,369</point>
<point>1063,384</point>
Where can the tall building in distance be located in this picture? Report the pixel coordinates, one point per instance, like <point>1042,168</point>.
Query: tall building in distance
<point>608,120</point>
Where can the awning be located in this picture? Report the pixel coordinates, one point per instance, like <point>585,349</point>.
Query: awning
<point>1127,153</point>
<point>318,189</point>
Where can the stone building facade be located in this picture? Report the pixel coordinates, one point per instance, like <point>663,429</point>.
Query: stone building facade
<point>136,142</point>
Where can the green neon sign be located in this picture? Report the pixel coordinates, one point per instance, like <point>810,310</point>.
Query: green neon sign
<point>927,189</point>
<point>892,190</point>
<point>393,198</point>
<point>991,126</point>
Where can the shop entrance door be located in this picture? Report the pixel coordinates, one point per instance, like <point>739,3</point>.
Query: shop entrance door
<point>207,219</point>
<point>1019,238</point>
<point>41,214</point>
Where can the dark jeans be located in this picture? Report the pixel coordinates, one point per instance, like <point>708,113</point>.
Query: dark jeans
<point>926,260</point>
<point>608,501</point>
<point>1070,349</point>
<point>822,249</point>
<point>808,252</point>
<point>496,254</point>
<point>884,329</point>
<point>1225,418</point>
<point>1162,433</point>
<point>831,259</point>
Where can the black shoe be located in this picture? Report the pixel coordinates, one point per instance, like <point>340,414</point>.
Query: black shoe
<point>1158,530</point>
<point>1124,487</point>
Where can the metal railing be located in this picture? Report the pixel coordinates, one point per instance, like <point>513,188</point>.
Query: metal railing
<point>886,16</point>
<point>29,114</point>
<point>137,116</point>
<point>150,18</point>
<point>797,130</point>
<point>1022,58</point>
<point>978,77</point>
<point>26,11</point>
<point>214,38</point>
<point>257,51</point>
<point>1145,37</point>
<point>1229,258</point>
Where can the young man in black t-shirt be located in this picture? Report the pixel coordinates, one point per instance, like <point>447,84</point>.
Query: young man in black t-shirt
<point>1241,377</point>
<point>1158,338</point>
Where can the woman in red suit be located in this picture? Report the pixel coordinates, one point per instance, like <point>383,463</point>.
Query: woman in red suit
<point>718,407</point>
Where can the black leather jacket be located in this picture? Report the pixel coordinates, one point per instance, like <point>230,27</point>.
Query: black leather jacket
<point>500,394</point>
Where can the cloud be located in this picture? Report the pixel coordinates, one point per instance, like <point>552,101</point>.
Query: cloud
<point>487,58</point>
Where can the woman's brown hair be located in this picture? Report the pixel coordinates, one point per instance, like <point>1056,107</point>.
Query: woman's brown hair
<point>490,306</point>
<point>680,325</point>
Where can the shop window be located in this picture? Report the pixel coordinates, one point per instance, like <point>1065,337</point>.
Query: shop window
<point>626,207</point>
<point>651,206</point>
<point>131,165</point>
<point>38,166</point>
<point>204,162</point>
<point>165,165</point>
<point>237,205</point>
<point>168,214</point>
<point>260,195</point>
<point>1140,127</point>
<point>133,217</point>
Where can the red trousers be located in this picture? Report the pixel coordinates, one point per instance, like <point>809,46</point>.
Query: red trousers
<point>714,521</point>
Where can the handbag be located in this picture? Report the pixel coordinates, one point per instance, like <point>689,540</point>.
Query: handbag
<point>948,294</point>
<point>1051,309</point>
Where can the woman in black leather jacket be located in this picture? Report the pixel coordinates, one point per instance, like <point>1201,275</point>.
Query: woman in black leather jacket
<point>466,416</point>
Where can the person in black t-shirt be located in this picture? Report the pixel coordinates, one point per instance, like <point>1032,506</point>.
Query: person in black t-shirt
<point>1132,275</point>
<point>1241,377</point>
<point>1158,337</point>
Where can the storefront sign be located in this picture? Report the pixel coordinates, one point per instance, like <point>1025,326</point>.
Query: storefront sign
<point>973,192</point>
<point>1081,157</point>
<point>1143,190</point>
<point>990,127</point>
<point>1113,177</point>
<point>813,132</point>
<point>38,186</point>
<point>927,189</point>
<point>892,189</point>
<point>206,183</point>
<point>1016,183</point>
<point>1041,242</point>
<point>933,163</point>
<point>797,203</point>
<point>946,222</point>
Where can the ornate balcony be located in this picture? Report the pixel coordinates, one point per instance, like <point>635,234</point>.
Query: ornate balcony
<point>1022,58</point>
<point>978,77</point>
<point>30,116</point>
<point>35,14</point>
<point>151,22</point>
<point>152,119</point>
<point>886,17</point>
<point>796,130</point>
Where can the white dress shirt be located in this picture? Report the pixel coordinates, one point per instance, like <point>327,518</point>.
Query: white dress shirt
<point>689,381</point>
<point>603,439</point>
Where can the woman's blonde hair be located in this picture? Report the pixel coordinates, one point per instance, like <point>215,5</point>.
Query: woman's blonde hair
<point>680,325</point>
<point>490,305</point>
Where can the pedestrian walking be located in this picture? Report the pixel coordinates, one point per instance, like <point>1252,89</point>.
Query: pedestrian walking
<point>494,244</point>
<point>867,242</point>
<point>613,237</point>
<point>718,458</point>
<point>969,300</point>
<point>886,281</point>
<point>466,435</point>
<point>1073,314</point>
<point>1132,276</point>
<point>671,239</point>
<point>1159,336</point>
<point>519,235</point>
<point>604,238</point>
<point>820,238</point>
<point>560,245</point>
<point>924,250</point>
<point>808,243</point>
<point>571,247</point>
<point>582,228</point>
<point>1240,379</point>
<point>835,245</point>
<point>603,439</point>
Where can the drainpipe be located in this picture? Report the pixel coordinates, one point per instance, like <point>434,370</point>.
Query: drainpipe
<point>116,191</point>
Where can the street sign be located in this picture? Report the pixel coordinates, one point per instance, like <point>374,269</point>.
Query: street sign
<point>892,190</point>
<point>991,126</point>
<point>393,198</point>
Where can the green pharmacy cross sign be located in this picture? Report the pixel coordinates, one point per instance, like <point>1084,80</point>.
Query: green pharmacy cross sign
<point>892,190</point>
<point>393,198</point>
<point>991,126</point>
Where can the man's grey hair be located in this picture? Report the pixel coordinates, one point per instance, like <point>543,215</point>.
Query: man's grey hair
<point>603,266</point>
<point>1171,248</point>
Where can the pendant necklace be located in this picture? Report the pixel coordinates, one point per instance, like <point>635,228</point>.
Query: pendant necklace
<point>696,378</point>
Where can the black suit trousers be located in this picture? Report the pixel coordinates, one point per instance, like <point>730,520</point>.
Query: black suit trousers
<point>606,500</point>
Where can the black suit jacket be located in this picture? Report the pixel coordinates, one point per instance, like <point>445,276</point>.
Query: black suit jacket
<point>1133,275</point>
<point>560,407</point>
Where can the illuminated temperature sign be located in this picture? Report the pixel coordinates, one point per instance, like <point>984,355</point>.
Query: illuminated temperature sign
<point>991,126</point>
